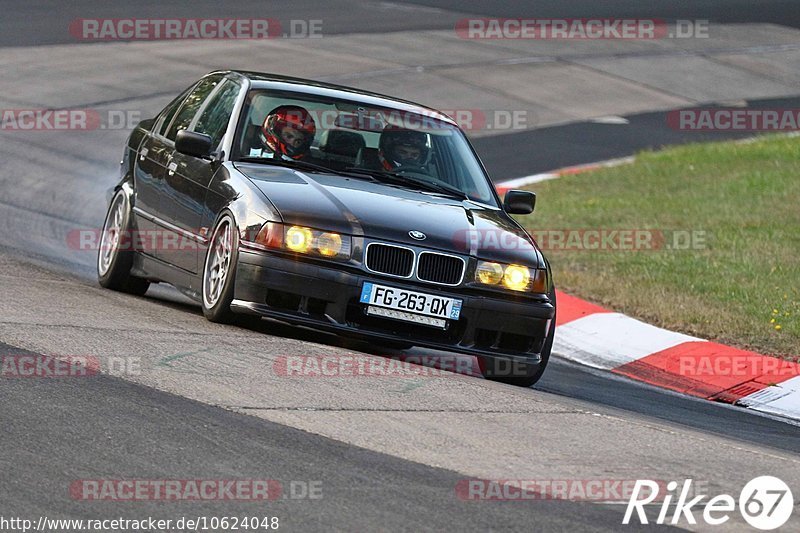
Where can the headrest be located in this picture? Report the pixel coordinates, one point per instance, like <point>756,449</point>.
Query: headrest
<point>341,142</point>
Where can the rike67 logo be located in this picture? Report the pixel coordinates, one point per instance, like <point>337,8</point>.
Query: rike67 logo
<point>765,503</point>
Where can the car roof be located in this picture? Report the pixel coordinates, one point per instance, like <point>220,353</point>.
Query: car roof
<point>263,80</point>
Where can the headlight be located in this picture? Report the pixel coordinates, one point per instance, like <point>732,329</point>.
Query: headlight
<point>302,240</point>
<point>489,273</point>
<point>329,244</point>
<point>298,239</point>
<point>514,277</point>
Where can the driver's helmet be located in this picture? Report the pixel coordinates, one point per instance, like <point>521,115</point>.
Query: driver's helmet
<point>400,148</point>
<point>288,130</point>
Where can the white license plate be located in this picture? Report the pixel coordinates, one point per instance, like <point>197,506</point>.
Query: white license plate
<point>413,302</point>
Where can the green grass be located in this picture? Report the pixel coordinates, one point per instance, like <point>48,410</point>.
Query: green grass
<point>744,196</point>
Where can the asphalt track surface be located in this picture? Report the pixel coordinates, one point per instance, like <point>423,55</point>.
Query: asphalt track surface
<point>59,430</point>
<point>104,425</point>
<point>386,460</point>
<point>41,22</point>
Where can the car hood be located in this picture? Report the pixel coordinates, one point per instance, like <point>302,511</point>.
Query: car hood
<point>380,211</point>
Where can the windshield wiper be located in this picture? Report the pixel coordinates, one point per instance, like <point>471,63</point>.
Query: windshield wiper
<point>397,178</point>
<point>297,164</point>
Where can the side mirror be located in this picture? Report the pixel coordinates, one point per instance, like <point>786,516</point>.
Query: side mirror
<point>519,202</point>
<point>193,143</point>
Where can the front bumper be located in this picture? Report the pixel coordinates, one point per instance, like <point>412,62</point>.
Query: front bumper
<point>326,297</point>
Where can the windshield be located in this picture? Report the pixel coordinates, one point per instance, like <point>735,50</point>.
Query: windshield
<point>398,147</point>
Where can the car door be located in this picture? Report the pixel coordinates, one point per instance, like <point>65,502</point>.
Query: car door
<point>149,169</point>
<point>188,177</point>
<point>183,192</point>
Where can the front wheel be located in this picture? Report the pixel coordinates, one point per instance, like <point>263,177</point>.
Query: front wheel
<point>219,271</point>
<point>519,374</point>
<point>114,260</point>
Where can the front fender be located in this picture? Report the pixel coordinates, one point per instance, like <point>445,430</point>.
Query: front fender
<point>230,189</point>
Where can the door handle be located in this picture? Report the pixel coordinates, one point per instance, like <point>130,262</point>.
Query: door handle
<point>172,168</point>
<point>142,154</point>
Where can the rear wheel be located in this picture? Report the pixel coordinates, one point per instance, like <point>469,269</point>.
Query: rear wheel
<point>114,261</point>
<point>519,374</point>
<point>219,271</point>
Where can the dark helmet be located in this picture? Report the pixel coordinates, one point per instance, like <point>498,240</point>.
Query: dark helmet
<point>395,144</point>
<point>294,117</point>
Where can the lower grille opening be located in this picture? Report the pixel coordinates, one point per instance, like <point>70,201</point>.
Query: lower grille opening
<point>295,303</point>
<point>515,343</point>
<point>491,339</point>
<point>316,307</point>
<point>485,338</point>
<point>283,300</point>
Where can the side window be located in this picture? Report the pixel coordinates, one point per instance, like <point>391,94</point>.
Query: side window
<point>214,118</point>
<point>165,117</point>
<point>192,104</point>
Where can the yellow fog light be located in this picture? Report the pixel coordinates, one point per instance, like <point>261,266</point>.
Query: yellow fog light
<point>489,273</point>
<point>517,277</point>
<point>298,239</point>
<point>329,244</point>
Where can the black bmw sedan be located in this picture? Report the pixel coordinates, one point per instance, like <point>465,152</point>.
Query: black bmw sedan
<point>334,208</point>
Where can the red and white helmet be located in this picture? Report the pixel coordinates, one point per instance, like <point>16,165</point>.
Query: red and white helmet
<point>294,117</point>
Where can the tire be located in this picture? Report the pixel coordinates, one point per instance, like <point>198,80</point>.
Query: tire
<point>219,270</point>
<point>113,263</point>
<point>524,375</point>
